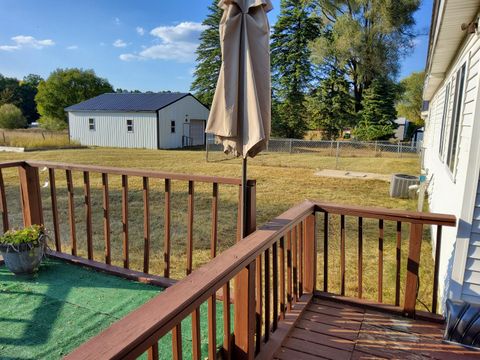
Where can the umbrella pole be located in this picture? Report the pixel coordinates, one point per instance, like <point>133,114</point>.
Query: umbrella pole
<point>244,198</point>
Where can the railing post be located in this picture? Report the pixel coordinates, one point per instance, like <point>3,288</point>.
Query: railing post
<point>413,263</point>
<point>244,291</point>
<point>310,256</point>
<point>30,195</point>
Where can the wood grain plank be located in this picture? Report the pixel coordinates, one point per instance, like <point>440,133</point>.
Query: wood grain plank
<point>214,232</point>
<point>227,334</point>
<point>342,255</point>
<point>167,246</point>
<point>3,204</point>
<point>53,199</point>
<point>267,295</point>
<point>380,261</point>
<point>275,286</point>
<point>398,256</point>
<point>71,212</point>
<point>190,227</point>
<point>438,249</point>
<point>212,327</point>
<point>360,258</point>
<point>281,275</point>
<point>196,336</point>
<point>125,234</point>
<point>177,342</point>
<point>106,220</point>
<point>325,252</point>
<point>88,213</point>
<point>146,225</point>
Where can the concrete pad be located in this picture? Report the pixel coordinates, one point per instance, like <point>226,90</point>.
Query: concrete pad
<point>342,174</point>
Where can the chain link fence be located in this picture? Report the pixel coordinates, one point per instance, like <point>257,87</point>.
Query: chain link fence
<point>325,148</point>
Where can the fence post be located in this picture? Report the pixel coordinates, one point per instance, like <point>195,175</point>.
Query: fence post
<point>291,146</point>
<point>310,258</point>
<point>398,149</point>
<point>413,264</point>
<point>376,146</point>
<point>244,292</point>
<point>338,153</point>
<point>30,195</point>
<point>331,147</point>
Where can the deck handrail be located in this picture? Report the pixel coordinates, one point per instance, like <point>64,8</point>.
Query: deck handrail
<point>140,330</point>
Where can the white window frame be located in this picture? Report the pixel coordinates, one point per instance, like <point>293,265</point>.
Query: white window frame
<point>130,127</point>
<point>443,125</point>
<point>92,126</point>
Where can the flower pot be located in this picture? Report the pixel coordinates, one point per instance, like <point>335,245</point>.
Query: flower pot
<point>23,258</point>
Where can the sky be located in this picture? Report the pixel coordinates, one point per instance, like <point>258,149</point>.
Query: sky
<point>147,45</point>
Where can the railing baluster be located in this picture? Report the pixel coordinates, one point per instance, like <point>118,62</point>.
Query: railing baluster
<point>325,252</point>
<point>438,247</point>
<point>190,227</point>
<point>282,278</point>
<point>53,197</point>
<point>146,225</point>
<point>380,260</point>
<point>213,239</point>
<point>414,250</point>
<point>106,219</point>
<point>342,254</point>
<point>289,271</point>
<point>71,212</point>
<point>227,335</point>
<point>360,257</point>
<point>88,213</point>
<point>196,337</point>
<point>267,294</point>
<point>275,285</point>
<point>3,204</point>
<point>293,233</point>
<point>212,327</point>
<point>126,261</point>
<point>167,244</point>
<point>153,352</point>
<point>300,241</point>
<point>310,255</point>
<point>177,342</point>
<point>258,304</point>
<point>399,259</point>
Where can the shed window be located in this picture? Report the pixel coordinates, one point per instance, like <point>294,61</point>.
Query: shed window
<point>456,116</point>
<point>130,126</point>
<point>441,149</point>
<point>91,124</point>
<point>172,126</point>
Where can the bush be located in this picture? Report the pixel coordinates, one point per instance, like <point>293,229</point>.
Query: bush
<point>52,124</point>
<point>11,117</point>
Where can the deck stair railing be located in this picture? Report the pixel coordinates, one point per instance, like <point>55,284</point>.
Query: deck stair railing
<point>33,212</point>
<point>274,274</point>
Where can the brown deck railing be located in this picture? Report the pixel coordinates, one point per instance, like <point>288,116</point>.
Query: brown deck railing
<point>33,213</point>
<point>264,301</point>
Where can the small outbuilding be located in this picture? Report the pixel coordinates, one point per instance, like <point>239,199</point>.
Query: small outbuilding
<point>137,120</point>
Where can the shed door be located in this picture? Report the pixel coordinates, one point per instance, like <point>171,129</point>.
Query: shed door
<point>197,132</point>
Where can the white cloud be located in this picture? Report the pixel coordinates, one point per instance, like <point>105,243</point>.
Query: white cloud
<point>117,21</point>
<point>72,47</point>
<point>119,43</point>
<point>23,41</point>
<point>178,43</point>
<point>185,32</point>
<point>140,30</point>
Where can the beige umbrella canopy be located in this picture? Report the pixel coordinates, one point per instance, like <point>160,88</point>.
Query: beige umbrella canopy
<point>241,110</point>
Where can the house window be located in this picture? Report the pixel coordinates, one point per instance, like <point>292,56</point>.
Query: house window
<point>172,126</point>
<point>91,124</point>
<point>130,126</point>
<point>444,122</point>
<point>456,116</point>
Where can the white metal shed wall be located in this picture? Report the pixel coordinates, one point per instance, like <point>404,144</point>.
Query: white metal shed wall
<point>111,129</point>
<point>447,192</point>
<point>186,108</point>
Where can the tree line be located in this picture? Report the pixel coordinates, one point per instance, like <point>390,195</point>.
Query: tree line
<point>334,66</point>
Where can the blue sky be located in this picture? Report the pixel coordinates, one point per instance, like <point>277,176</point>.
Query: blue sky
<point>142,44</point>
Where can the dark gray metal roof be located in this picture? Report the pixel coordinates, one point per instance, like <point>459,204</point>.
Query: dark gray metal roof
<point>128,102</point>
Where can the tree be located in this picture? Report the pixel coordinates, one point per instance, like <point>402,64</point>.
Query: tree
<point>28,91</point>
<point>291,65</point>
<point>378,111</point>
<point>411,99</point>
<point>66,87</point>
<point>331,107</point>
<point>209,57</point>
<point>367,37</point>
<point>11,117</point>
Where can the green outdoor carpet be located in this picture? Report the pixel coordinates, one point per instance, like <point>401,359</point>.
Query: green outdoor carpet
<point>47,315</point>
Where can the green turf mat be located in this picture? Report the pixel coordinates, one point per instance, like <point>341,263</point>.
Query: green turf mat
<point>47,315</point>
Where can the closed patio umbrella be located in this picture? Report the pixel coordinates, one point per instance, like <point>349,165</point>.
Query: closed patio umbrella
<point>241,110</point>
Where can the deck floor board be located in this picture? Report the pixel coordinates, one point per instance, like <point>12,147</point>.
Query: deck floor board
<point>333,330</point>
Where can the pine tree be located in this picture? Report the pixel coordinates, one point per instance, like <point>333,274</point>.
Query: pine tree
<point>331,107</point>
<point>291,65</point>
<point>378,111</point>
<point>209,57</point>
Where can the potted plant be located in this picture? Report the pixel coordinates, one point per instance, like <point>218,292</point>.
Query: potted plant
<point>23,249</point>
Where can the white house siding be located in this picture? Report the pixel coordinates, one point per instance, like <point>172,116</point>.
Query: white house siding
<point>186,108</point>
<point>447,191</point>
<point>111,129</point>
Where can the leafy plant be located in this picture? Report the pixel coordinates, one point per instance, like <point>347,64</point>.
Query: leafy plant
<point>30,234</point>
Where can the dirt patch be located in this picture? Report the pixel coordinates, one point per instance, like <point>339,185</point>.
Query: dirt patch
<point>342,174</point>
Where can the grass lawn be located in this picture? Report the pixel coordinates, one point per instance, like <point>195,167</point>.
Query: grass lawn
<point>283,180</point>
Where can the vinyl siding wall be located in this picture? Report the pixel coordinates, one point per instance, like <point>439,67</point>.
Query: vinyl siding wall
<point>111,129</point>
<point>447,189</point>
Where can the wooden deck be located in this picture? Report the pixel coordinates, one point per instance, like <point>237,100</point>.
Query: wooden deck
<point>334,330</point>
